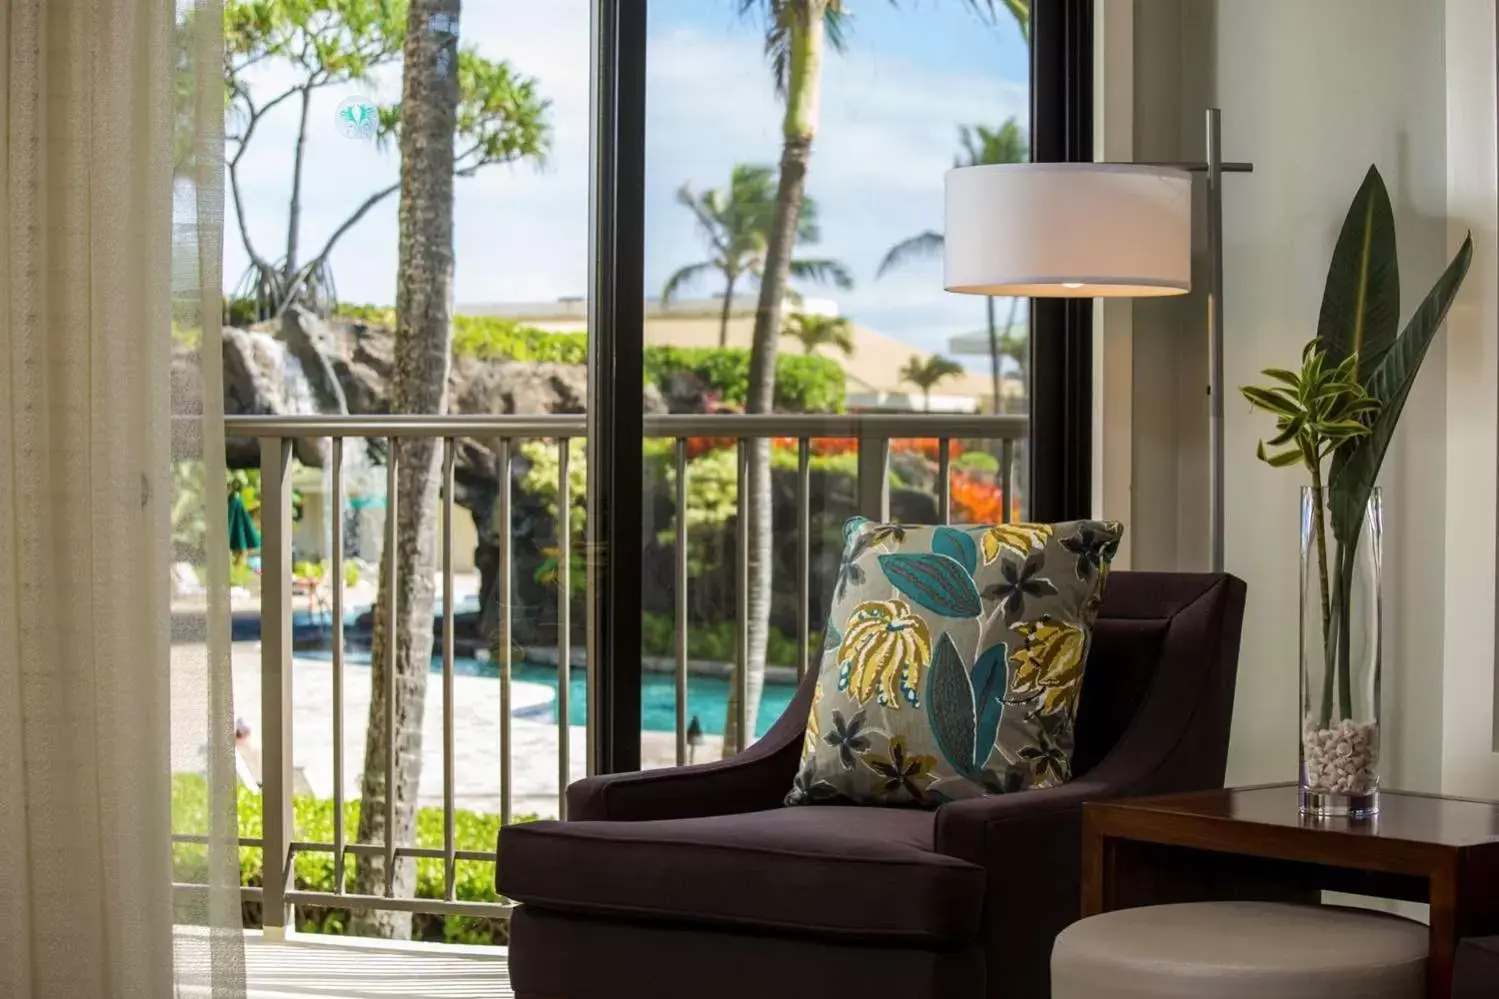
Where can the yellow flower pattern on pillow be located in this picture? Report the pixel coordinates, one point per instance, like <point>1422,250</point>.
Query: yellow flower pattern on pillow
<point>884,647</point>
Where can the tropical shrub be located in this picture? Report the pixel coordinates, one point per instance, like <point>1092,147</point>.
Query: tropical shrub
<point>313,822</point>
<point>497,338</point>
<point>977,461</point>
<point>715,640</point>
<point>803,384</point>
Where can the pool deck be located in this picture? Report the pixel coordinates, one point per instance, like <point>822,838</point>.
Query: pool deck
<point>476,732</point>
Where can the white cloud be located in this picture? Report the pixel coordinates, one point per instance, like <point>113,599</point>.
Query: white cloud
<point>888,132</point>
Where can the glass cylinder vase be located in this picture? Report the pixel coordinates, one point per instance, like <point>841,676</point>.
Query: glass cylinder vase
<point>1340,657</point>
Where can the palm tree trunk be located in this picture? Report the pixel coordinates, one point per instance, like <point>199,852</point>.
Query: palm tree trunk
<point>799,127</point>
<point>994,353</point>
<point>728,304</point>
<point>419,384</point>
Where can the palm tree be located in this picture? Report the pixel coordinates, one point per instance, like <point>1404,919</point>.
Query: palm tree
<point>735,225</point>
<point>797,35</point>
<point>925,375</point>
<point>418,384</point>
<point>820,331</point>
<point>980,146</point>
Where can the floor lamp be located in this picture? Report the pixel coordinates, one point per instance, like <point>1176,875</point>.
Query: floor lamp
<point>1096,230</point>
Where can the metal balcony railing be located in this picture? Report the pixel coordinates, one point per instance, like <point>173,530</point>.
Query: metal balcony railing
<point>276,435</point>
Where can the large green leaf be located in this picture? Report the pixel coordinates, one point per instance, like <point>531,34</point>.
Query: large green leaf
<point>1355,471</point>
<point>1361,302</point>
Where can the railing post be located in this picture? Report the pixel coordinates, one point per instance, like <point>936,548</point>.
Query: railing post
<point>874,478</point>
<point>275,679</point>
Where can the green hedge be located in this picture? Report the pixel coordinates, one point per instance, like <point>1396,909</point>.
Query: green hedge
<point>494,338</point>
<point>803,384</point>
<point>717,640</point>
<point>313,818</point>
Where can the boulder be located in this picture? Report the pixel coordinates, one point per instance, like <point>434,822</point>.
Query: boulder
<point>258,381</point>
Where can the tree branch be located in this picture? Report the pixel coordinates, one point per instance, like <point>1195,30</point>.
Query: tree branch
<point>255,114</point>
<point>239,213</point>
<point>314,263</point>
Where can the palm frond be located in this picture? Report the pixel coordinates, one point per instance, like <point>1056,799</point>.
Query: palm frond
<point>923,246</point>
<point>822,272</point>
<point>982,146</point>
<point>684,276</point>
<point>783,18</point>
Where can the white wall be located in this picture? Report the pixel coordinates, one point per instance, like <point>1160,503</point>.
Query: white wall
<point>1313,93</point>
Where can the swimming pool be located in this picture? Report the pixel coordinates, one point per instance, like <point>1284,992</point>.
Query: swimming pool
<point>707,696</point>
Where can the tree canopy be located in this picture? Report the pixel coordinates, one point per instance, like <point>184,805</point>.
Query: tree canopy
<point>502,117</point>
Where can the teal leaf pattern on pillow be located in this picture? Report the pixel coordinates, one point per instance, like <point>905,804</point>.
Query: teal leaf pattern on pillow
<point>936,582</point>
<point>950,707</point>
<point>958,546</point>
<point>990,679</point>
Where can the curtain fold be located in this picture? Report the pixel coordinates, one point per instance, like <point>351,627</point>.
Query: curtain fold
<point>110,678</point>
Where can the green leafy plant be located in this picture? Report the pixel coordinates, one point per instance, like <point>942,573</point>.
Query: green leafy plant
<point>977,461</point>
<point>313,821</point>
<point>1360,340</point>
<point>717,641</point>
<point>497,338</point>
<point>1319,411</point>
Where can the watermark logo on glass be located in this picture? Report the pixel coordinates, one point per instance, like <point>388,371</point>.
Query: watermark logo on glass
<point>357,118</point>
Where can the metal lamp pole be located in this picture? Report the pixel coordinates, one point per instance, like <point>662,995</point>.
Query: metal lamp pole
<point>1214,168</point>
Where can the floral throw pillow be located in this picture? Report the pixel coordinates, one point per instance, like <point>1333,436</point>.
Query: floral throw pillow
<point>953,660</point>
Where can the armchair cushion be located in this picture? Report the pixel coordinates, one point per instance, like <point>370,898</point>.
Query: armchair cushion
<point>953,661</point>
<point>867,874</point>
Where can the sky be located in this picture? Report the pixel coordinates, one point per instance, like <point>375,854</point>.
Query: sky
<point>892,104</point>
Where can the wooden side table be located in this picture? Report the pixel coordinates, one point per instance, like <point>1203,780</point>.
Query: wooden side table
<point>1253,843</point>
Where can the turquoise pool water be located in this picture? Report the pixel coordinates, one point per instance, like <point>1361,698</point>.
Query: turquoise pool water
<point>707,696</point>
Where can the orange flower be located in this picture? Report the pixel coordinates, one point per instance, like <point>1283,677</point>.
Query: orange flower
<point>975,501</point>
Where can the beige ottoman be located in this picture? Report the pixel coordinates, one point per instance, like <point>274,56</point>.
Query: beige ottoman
<point>1240,950</point>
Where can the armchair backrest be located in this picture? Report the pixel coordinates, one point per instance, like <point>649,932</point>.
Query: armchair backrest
<point>1165,643</point>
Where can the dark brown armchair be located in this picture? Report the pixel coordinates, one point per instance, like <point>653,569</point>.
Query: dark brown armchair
<point>696,881</point>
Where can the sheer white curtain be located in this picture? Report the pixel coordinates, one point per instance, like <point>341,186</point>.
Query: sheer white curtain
<point>111,440</point>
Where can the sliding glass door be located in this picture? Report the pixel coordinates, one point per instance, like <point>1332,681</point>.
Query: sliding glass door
<point>771,349</point>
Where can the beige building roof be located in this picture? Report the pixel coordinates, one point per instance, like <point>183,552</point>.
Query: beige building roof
<point>872,372</point>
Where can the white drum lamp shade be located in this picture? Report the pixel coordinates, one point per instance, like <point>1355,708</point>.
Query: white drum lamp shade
<point>1069,230</point>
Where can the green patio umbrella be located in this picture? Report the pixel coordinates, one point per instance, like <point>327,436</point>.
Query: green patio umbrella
<point>242,534</point>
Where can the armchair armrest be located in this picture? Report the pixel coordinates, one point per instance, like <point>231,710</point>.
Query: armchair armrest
<point>1031,842</point>
<point>1176,741</point>
<point>756,779</point>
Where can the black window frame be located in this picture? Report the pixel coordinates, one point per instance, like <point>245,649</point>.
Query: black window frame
<point>1061,346</point>
<point>1061,336</point>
